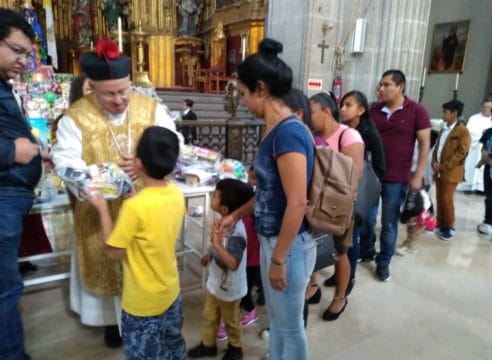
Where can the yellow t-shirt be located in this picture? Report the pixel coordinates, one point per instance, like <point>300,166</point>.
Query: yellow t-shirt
<point>147,227</point>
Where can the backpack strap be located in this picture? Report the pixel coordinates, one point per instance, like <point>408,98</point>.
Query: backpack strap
<point>340,140</point>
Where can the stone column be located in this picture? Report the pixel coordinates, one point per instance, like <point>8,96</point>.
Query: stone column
<point>395,38</point>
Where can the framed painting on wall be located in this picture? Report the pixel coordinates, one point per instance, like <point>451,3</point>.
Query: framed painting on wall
<point>449,45</point>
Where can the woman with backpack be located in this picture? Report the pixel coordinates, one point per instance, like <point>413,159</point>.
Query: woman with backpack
<point>354,112</point>
<point>283,165</point>
<point>325,120</point>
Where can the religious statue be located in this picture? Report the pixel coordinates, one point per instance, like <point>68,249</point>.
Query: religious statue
<point>112,10</point>
<point>232,96</point>
<point>82,22</point>
<point>190,13</point>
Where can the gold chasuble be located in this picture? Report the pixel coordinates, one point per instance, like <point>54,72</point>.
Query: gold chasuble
<point>102,142</point>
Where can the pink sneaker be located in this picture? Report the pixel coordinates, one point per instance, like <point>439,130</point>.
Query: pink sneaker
<point>247,318</point>
<point>221,333</point>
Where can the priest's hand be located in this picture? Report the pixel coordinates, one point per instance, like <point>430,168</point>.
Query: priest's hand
<point>127,164</point>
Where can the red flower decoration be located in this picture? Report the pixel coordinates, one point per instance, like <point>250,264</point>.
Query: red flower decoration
<point>108,49</point>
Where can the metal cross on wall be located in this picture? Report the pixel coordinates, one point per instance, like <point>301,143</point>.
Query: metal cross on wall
<point>323,47</point>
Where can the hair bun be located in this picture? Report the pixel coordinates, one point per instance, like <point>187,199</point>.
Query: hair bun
<point>270,47</point>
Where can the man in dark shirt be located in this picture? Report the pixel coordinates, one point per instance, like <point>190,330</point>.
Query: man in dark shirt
<point>20,170</point>
<point>188,114</point>
<point>400,122</point>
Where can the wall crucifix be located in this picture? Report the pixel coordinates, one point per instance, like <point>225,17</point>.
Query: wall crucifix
<point>323,46</point>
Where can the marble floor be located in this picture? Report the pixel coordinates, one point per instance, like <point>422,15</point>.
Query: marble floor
<point>437,305</point>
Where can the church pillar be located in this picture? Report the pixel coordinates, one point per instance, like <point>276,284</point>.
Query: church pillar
<point>395,38</point>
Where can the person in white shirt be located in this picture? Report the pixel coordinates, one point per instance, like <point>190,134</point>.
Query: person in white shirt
<point>476,125</point>
<point>102,127</point>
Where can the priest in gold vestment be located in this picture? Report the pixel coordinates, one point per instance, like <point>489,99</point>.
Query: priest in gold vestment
<point>102,127</point>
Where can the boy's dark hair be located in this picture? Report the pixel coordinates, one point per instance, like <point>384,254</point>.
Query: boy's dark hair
<point>267,67</point>
<point>76,88</point>
<point>188,102</point>
<point>158,149</point>
<point>296,100</point>
<point>327,102</point>
<point>454,105</point>
<point>398,77</point>
<point>234,193</point>
<point>12,20</point>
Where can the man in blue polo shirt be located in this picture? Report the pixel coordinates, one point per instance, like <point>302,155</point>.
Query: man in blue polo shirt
<point>400,122</point>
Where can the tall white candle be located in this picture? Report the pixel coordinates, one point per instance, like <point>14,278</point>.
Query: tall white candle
<point>120,36</point>
<point>243,48</point>
<point>423,77</point>
<point>457,81</point>
<point>92,46</point>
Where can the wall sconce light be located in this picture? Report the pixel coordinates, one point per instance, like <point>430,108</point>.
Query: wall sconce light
<point>359,36</point>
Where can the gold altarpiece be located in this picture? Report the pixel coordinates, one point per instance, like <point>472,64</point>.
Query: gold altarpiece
<point>160,22</point>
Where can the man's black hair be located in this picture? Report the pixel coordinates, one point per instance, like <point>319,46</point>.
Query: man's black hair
<point>11,20</point>
<point>188,102</point>
<point>398,77</point>
<point>233,193</point>
<point>158,149</point>
<point>454,105</point>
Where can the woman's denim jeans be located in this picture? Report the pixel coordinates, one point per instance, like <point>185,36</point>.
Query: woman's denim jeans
<point>287,334</point>
<point>13,209</point>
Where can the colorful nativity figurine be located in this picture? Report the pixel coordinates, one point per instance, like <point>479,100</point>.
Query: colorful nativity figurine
<point>102,127</point>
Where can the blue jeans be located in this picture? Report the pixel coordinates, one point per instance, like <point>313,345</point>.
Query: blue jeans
<point>367,236</point>
<point>285,308</point>
<point>154,337</point>
<point>392,196</point>
<point>353,252</point>
<point>13,210</point>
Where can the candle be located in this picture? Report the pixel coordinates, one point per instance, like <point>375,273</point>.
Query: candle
<point>120,36</point>
<point>243,48</point>
<point>457,81</point>
<point>92,46</point>
<point>423,77</point>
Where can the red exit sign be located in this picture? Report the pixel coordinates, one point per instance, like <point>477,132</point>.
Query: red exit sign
<point>315,84</point>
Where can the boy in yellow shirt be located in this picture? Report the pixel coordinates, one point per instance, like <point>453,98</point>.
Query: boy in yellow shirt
<point>144,238</point>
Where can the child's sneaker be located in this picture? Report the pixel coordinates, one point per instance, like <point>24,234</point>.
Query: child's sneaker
<point>233,353</point>
<point>202,351</point>
<point>405,250</point>
<point>265,334</point>
<point>248,318</point>
<point>221,333</point>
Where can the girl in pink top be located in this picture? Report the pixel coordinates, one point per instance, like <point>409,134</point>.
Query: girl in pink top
<point>324,117</point>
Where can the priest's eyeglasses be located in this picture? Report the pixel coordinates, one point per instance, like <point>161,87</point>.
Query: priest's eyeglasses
<point>19,52</point>
<point>112,95</point>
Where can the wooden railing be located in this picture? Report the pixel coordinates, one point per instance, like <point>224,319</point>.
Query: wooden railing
<point>234,139</point>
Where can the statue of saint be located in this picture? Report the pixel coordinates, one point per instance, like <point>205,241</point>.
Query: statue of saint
<point>232,96</point>
<point>190,13</point>
<point>82,22</point>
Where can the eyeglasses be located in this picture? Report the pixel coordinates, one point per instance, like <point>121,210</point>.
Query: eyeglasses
<point>18,51</point>
<point>122,94</point>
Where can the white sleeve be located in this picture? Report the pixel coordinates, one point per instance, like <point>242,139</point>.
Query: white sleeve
<point>67,150</point>
<point>163,119</point>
